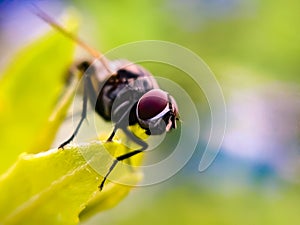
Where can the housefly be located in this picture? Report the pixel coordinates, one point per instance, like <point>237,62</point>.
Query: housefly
<point>123,93</point>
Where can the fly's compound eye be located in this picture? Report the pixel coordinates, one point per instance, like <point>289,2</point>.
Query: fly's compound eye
<point>157,112</point>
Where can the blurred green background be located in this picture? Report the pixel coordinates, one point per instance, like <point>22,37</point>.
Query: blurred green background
<point>253,47</point>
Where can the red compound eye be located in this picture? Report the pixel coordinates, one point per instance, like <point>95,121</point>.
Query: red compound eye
<point>152,104</point>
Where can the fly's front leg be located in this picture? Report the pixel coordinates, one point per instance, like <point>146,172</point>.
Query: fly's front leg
<point>120,123</point>
<point>128,155</point>
<point>113,133</point>
<point>88,91</point>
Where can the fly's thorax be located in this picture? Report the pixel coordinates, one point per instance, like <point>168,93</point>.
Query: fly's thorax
<point>120,91</point>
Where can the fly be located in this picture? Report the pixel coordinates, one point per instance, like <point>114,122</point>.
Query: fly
<point>128,95</point>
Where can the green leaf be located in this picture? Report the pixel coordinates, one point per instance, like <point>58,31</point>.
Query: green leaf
<point>53,187</point>
<point>29,90</point>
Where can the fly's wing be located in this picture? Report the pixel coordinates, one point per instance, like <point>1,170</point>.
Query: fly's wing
<point>102,75</point>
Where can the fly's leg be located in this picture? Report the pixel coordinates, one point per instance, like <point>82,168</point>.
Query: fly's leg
<point>128,155</point>
<point>113,133</point>
<point>88,91</point>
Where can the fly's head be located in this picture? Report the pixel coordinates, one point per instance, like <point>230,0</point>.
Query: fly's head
<point>157,112</point>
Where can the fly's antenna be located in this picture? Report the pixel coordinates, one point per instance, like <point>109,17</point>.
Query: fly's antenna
<point>44,16</point>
